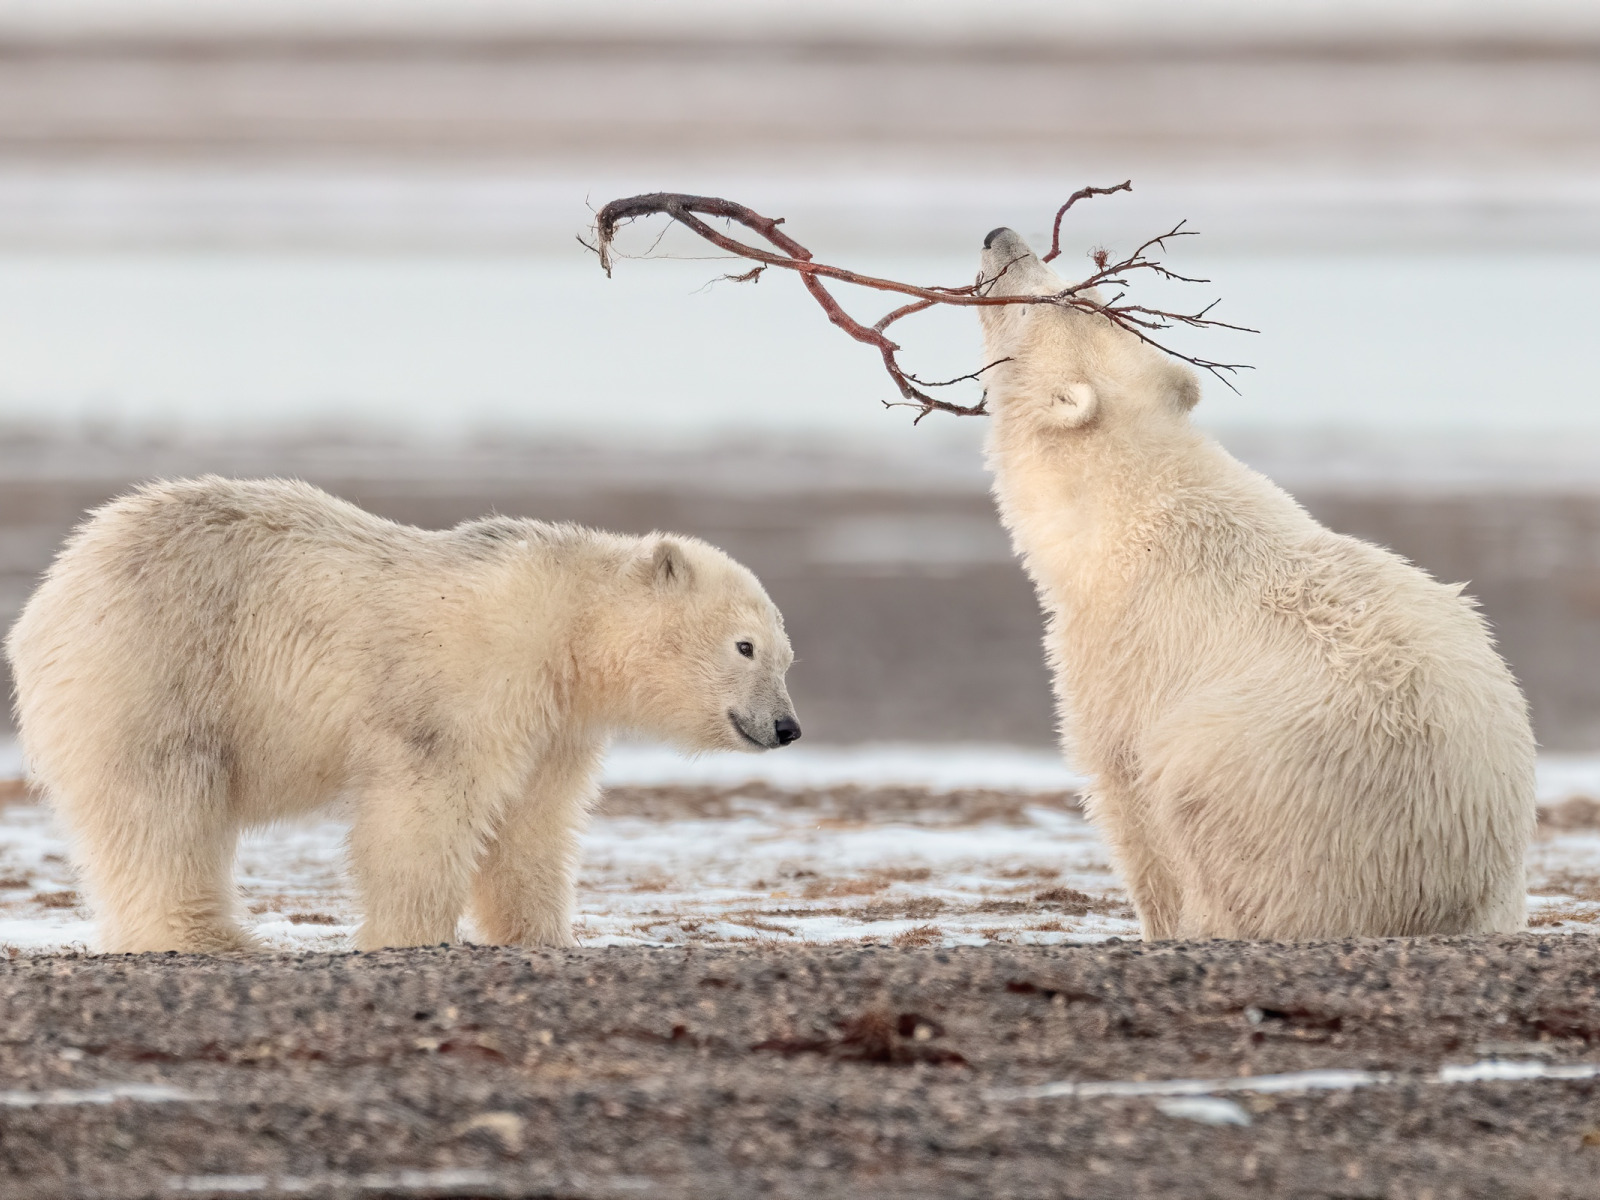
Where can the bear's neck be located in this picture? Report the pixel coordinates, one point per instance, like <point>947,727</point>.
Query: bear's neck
<point>534,645</point>
<point>1084,507</point>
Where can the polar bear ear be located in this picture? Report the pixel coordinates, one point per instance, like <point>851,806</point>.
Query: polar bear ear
<point>1073,405</point>
<point>1187,392</point>
<point>669,565</point>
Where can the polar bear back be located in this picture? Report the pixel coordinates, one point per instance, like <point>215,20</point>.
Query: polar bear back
<point>1286,679</point>
<point>248,629</point>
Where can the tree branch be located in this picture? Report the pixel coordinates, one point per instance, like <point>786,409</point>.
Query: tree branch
<point>789,254</point>
<point>1081,194</point>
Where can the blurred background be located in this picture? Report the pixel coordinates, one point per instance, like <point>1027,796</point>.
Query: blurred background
<point>338,239</point>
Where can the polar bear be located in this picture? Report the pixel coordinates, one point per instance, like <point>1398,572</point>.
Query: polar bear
<point>1289,734</point>
<point>210,655</point>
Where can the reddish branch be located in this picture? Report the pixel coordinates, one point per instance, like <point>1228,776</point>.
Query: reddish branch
<point>789,254</point>
<point>1081,194</point>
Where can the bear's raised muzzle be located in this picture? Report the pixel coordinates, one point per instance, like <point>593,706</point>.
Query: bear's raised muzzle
<point>784,731</point>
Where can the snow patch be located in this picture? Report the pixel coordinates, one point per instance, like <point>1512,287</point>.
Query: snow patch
<point>11,764</point>
<point>143,1093</point>
<point>1208,1110</point>
<point>940,768</point>
<point>1567,777</point>
<point>1328,1080</point>
<point>405,1180</point>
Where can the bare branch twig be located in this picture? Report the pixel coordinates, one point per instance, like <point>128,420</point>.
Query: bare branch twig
<point>789,254</point>
<point>1081,194</point>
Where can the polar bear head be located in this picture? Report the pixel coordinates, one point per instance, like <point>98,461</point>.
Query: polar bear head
<point>1066,369</point>
<point>707,652</point>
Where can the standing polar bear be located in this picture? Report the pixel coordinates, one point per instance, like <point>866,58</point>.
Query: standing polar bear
<point>1290,734</point>
<point>211,655</point>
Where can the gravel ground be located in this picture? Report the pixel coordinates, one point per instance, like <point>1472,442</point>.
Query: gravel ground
<point>809,1071</point>
<point>742,1058</point>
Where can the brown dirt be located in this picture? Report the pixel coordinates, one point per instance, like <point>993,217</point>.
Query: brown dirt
<point>797,1072</point>
<point>866,805</point>
<point>886,652</point>
<point>844,805</point>
<point>1579,812</point>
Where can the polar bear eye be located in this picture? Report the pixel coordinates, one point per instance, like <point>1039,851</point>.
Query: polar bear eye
<point>746,649</point>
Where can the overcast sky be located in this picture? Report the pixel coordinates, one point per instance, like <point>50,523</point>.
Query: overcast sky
<point>1077,19</point>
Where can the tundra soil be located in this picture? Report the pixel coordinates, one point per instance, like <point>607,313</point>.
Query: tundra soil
<point>802,1071</point>
<point>910,615</point>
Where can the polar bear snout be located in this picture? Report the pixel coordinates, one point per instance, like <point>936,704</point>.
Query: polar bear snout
<point>1011,268</point>
<point>1005,245</point>
<point>765,733</point>
<point>1004,257</point>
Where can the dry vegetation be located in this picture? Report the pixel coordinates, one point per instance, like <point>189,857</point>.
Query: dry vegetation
<point>1578,812</point>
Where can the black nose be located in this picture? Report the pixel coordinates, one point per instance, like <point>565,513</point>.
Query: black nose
<point>787,729</point>
<point>993,233</point>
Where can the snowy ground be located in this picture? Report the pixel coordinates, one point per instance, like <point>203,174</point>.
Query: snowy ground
<point>893,845</point>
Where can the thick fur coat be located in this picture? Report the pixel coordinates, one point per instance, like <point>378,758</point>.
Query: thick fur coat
<point>1290,734</point>
<point>210,655</point>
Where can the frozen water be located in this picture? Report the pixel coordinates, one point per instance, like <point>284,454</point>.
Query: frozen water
<point>939,767</point>
<point>449,345</point>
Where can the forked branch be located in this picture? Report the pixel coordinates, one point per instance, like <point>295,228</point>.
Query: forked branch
<point>785,252</point>
<point>1081,194</point>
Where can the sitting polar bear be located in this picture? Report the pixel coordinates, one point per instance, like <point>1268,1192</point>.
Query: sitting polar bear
<point>211,655</point>
<point>1290,734</point>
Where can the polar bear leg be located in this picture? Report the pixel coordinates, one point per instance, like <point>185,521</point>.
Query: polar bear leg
<point>1138,860</point>
<point>1506,911</point>
<point>523,893</point>
<point>1154,893</point>
<point>159,875</point>
<point>1219,897</point>
<point>413,848</point>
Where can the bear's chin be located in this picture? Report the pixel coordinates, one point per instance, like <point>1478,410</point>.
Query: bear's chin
<point>740,739</point>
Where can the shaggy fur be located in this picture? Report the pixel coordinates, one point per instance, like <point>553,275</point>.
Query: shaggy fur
<point>210,655</point>
<point>1291,734</point>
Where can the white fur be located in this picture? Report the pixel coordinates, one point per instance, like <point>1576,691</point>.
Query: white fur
<point>211,655</point>
<point>1291,734</point>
